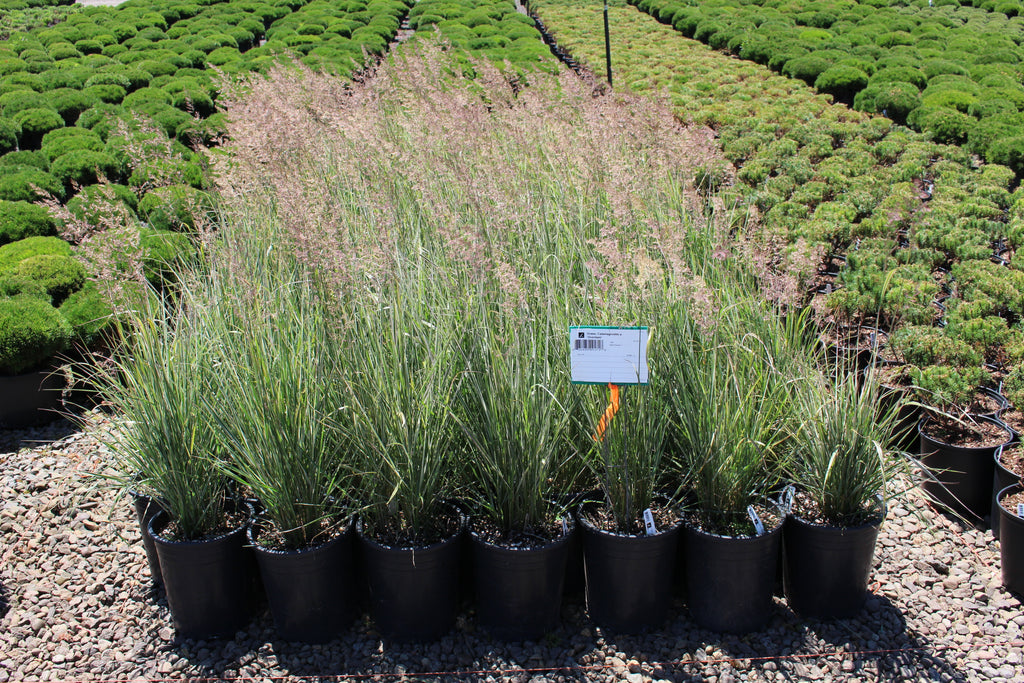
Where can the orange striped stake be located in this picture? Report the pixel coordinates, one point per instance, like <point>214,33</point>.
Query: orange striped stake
<point>609,412</point>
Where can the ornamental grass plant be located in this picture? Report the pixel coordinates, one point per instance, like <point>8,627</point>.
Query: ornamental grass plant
<point>842,458</point>
<point>159,382</point>
<point>279,409</point>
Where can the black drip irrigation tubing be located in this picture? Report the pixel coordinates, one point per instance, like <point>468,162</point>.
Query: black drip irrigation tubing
<point>549,40</point>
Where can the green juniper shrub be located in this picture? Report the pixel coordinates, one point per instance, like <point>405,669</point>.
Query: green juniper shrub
<point>174,207</point>
<point>70,103</point>
<point>102,119</point>
<point>843,82</point>
<point>59,275</point>
<point>165,253</point>
<point>103,202</point>
<point>29,157</point>
<point>106,93</point>
<point>947,386</point>
<point>31,332</point>
<point>15,252</point>
<point>58,142</point>
<point>19,100</point>
<point>29,185</point>
<point>85,167</point>
<point>10,131</point>
<point>19,220</point>
<point>35,123</point>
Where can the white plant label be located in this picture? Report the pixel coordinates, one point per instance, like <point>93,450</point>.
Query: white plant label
<point>758,525</point>
<point>649,522</point>
<point>1020,510</point>
<point>565,527</point>
<point>608,355</point>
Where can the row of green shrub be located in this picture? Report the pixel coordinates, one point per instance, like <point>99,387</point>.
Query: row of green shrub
<point>493,30</point>
<point>100,113</point>
<point>917,220</point>
<point>953,72</point>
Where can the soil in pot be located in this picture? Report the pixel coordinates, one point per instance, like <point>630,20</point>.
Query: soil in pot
<point>521,596</point>
<point>31,398</point>
<point>730,579</point>
<point>1014,419</point>
<point>852,346</point>
<point>209,582</point>
<point>1011,538</point>
<point>628,577</point>
<point>960,461</point>
<point>310,591</point>
<point>827,566</point>
<point>413,591</point>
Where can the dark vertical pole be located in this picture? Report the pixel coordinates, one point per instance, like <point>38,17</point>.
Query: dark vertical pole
<point>607,44</point>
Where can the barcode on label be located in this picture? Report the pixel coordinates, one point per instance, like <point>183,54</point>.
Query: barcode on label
<point>1020,510</point>
<point>589,344</point>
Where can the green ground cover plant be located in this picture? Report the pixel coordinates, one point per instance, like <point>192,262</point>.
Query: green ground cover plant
<point>912,217</point>
<point>950,71</point>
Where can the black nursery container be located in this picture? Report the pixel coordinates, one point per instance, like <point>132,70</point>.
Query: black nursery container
<point>1011,542</point>
<point>145,510</point>
<point>1002,477</point>
<point>30,399</point>
<point>209,583</point>
<point>629,579</point>
<point>310,591</point>
<point>413,592</point>
<point>519,590</point>
<point>827,567</point>
<point>960,478</point>
<point>730,579</point>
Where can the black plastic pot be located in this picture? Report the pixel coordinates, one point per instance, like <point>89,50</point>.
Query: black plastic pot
<point>1001,478</point>
<point>310,591</point>
<point>30,399</point>
<point>958,478</point>
<point>145,510</point>
<point>628,578</point>
<point>413,592</point>
<point>520,597</point>
<point>827,567</point>
<point>729,580</point>
<point>209,583</point>
<point>1011,543</point>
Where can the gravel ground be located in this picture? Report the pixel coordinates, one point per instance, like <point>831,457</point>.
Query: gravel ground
<point>76,604</point>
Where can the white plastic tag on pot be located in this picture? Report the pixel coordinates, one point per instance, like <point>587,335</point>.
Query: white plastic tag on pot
<point>565,527</point>
<point>758,525</point>
<point>649,522</point>
<point>1020,510</point>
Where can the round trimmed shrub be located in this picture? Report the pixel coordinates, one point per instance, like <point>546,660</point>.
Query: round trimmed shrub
<point>59,275</point>
<point>69,77</point>
<point>35,123</point>
<point>163,254</point>
<point>806,68</point>
<point>101,118</point>
<point>70,103</point>
<point>14,253</point>
<point>85,167</point>
<point>31,332</point>
<point>57,142</point>
<point>843,82</point>
<point>10,131</point>
<point>145,96</point>
<point>947,126</point>
<point>19,220</point>
<point>109,77</point>
<point>106,93</point>
<point>1008,152</point>
<point>20,100</point>
<point>28,157</point>
<point>29,186</point>
<point>97,204</point>
<point>173,208</point>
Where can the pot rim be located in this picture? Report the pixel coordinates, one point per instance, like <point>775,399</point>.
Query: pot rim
<point>880,511</point>
<point>999,497</point>
<point>990,418</point>
<point>562,539</point>
<point>151,528</point>
<point>363,536</point>
<point>250,534</point>
<point>584,523</point>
